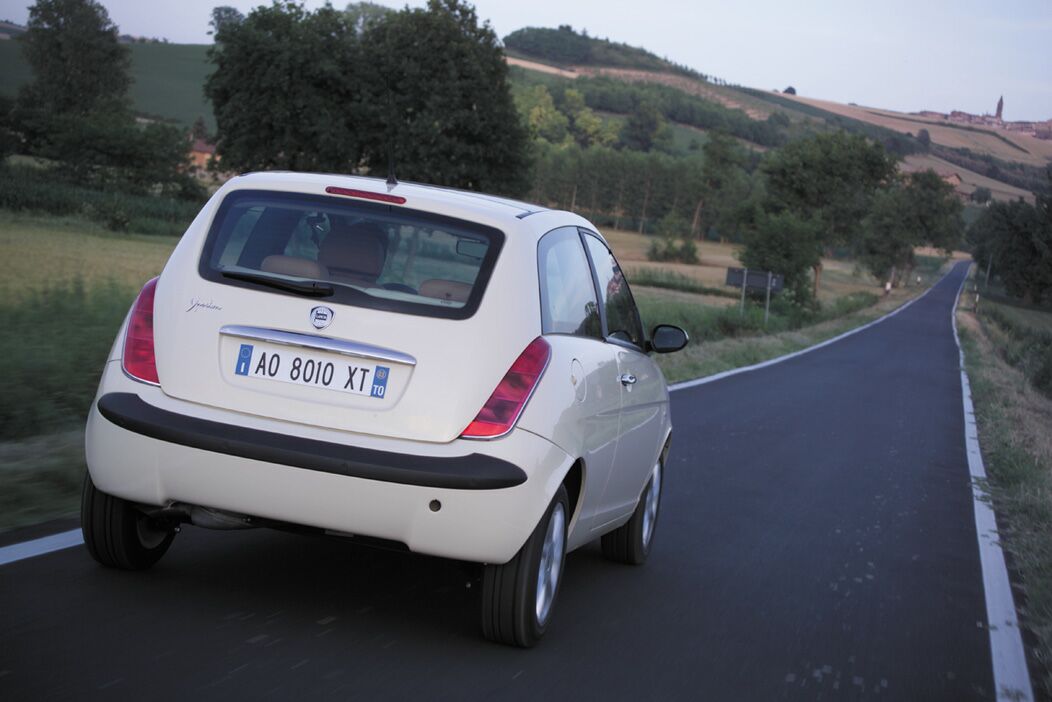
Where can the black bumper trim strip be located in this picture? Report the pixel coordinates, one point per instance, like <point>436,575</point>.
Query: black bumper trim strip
<point>472,472</point>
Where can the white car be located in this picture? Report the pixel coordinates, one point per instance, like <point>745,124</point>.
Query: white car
<point>453,373</point>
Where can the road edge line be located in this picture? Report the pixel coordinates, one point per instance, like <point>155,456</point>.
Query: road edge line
<point>686,384</point>
<point>1007,656</point>
<point>41,546</point>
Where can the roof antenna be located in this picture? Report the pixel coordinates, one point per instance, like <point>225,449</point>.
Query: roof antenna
<point>391,180</point>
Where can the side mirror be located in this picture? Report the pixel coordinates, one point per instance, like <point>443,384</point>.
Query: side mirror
<point>667,338</point>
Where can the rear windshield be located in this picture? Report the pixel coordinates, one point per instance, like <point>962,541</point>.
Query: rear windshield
<point>349,252</point>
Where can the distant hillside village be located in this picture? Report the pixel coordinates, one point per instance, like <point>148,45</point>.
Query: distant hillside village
<point>1040,130</point>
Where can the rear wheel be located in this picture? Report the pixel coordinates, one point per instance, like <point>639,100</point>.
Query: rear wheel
<point>518,597</point>
<point>117,534</point>
<point>630,543</point>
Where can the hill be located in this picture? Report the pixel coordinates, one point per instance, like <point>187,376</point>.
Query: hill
<point>168,79</point>
<point>1011,164</point>
<point>564,46</point>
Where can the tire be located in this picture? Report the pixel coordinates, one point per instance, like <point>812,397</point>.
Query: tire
<point>631,542</point>
<point>512,612</point>
<point>117,534</point>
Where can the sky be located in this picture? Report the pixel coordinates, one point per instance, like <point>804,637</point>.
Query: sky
<point>902,55</point>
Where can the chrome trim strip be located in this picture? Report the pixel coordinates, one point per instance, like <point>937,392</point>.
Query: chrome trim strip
<point>319,343</point>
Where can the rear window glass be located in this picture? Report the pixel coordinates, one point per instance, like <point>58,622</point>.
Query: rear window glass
<point>368,254</point>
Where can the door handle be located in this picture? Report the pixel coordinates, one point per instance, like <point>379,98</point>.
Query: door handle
<point>628,379</point>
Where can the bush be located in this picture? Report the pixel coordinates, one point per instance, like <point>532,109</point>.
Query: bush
<point>670,280</point>
<point>25,188</point>
<point>1028,348</point>
<point>705,323</point>
<point>668,249</point>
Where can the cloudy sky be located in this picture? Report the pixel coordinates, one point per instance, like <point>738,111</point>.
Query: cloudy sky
<point>897,54</point>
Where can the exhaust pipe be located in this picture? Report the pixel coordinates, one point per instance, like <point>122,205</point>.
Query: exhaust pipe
<point>209,518</point>
<point>205,517</point>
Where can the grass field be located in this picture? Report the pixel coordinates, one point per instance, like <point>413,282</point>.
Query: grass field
<point>970,180</point>
<point>180,95</point>
<point>46,251</point>
<point>839,277</point>
<point>168,79</point>
<point>1014,420</point>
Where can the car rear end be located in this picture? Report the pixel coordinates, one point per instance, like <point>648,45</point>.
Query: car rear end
<point>329,352</point>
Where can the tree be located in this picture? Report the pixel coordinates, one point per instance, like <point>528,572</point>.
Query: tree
<point>586,126</point>
<point>642,128</point>
<point>724,186</point>
<point>887,244</point>
<point>785,243</point>
<point>790,90</point>
<point>76,110</point>
<point>981,195</point>
<point>924,139</point>
<point>438,101</point>
<point>544,120</point>
<point>363,15</point>
<point>830,178</point>
<point>673,241</point>
<point>199,130</point>
<point>78,65</point>
<point>1014,239</point>
<point>8,138</point>
<point>286,90</point>
<point>933,211</point>
<point>225,16</point>
<point>919,209</point>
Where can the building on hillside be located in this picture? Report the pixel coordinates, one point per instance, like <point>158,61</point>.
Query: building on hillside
<point>201,152</point>
<point>953,179</point>
<point>10,30</point>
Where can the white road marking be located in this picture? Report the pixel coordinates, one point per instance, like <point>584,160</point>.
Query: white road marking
<point>38,547</point>
<point>1006,644</point>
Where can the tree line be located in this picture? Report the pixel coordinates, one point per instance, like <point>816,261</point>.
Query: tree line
<point>1013,242</point>
<point>789,208</point>
<point>565,46</point>
<point>426,92</point>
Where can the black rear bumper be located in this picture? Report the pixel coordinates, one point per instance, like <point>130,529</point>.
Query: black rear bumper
<point>471,472</point>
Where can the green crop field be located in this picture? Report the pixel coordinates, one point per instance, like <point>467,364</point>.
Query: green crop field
<point>168,79</point>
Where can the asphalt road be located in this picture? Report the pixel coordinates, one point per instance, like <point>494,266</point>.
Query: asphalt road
<point>816,541</point>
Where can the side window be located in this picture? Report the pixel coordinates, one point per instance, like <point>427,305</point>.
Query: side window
<point>568,304</point>
<point>622,317</point>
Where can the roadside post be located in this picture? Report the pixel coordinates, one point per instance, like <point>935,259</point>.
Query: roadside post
<point>767,281</point>
<point>767,304</point>
<point>745,277</point>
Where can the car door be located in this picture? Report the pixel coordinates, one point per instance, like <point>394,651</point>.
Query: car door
<point>644,396</point>
<point>570,320</point>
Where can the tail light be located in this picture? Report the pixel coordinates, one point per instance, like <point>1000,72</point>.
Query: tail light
<point>504,406</point>
<point>139,361</point>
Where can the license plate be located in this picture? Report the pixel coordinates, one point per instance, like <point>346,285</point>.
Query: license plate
<point>311,369</point>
